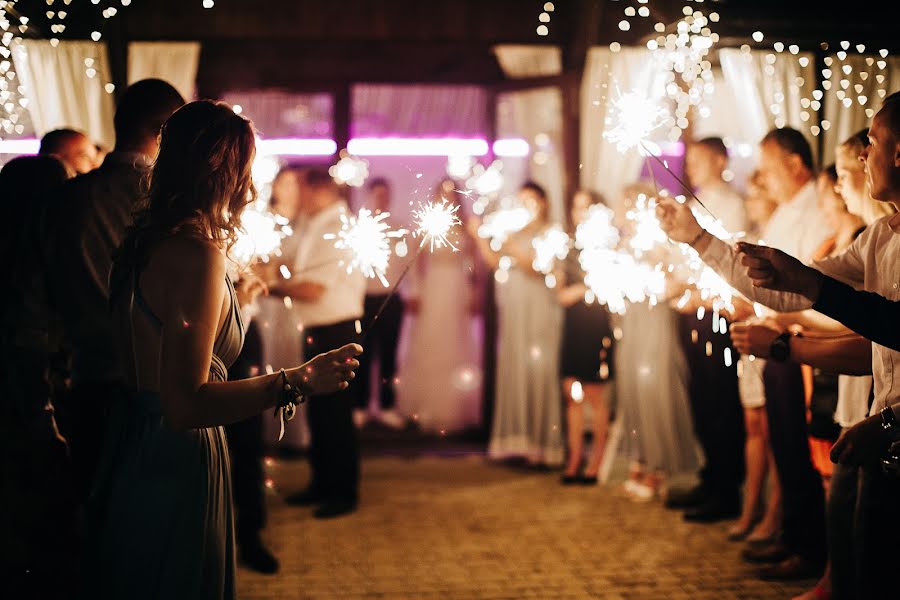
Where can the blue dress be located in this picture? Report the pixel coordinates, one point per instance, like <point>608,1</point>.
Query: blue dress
<point>161,504</point>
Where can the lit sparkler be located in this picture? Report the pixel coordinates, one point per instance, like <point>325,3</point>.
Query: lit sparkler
<point>350,170</point>
<point>367,237</point>
<point>260,235</point>
<point>597,229</point>
<point>634,116</point>
<point>615,278</point>
<point>549,247</point>
<point>502,223</point>
<point>261,230</point>
<point>434,222</point>
<point>647,230</point>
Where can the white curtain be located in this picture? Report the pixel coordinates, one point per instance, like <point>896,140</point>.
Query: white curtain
<point>764,97</point>
<point>175,62</point>
<point>418,110</point>
<point>603,167</point>
<point>844,121</point>
<point>536,116</point>
<point>65,87</point>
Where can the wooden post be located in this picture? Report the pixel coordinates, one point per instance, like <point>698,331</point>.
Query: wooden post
<point>340,117</point>
<point>585,26</point>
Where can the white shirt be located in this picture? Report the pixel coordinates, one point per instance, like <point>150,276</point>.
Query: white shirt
<point>318,261</point>
<point>870,263</point>
<point>726,205</point>
<point>797,226</point>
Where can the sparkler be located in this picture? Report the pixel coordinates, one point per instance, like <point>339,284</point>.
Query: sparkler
<point>433,223</point>
<point>260,235</point>
<point>597,229</point>
<point>634,116</point>
<point>500,224</point>
<point>367,237</point>
<point>615,277</point>
<point>550,246</point>
<point>261,230</point>
<point>647,230</point>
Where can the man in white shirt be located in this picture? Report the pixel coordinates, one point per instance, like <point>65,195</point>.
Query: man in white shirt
<point>330,304</point>
<point>796,227</point>
<point>869,264</point>
<point>705,163</point>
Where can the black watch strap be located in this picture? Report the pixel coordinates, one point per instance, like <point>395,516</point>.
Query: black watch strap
<point>780,350</point>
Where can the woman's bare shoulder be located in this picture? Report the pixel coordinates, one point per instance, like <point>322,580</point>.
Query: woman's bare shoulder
<point>190,257</point>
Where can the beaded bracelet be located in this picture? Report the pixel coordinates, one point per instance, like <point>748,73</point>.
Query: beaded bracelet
<point>286,408</point>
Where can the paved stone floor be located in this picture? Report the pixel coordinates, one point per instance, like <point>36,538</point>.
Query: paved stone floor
<point>459,527</point>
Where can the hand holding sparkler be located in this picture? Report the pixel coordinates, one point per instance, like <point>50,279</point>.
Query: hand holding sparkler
<point>773,269</point>
<point>680,224</point>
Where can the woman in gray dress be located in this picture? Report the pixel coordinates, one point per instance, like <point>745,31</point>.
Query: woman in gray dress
<point>527,412</point>
<point>161,511</point>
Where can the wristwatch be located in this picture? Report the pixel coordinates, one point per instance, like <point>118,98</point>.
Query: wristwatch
<point>780,350</point>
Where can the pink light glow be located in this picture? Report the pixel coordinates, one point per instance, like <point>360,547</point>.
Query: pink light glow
<point>297,147</point>
<point>511,147</point>
<point>417,147</point>
<point>359,146</point>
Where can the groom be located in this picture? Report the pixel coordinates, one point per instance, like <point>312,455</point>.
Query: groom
<point>329,302</point>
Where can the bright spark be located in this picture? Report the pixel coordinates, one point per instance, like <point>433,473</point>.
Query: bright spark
<point>549,247</point>
<point>434,222</point>
<point>367,237</point>
<point>632,119</point>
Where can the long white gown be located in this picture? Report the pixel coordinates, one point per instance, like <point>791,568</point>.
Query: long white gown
<point>439,377</point>
<point>527,408</point>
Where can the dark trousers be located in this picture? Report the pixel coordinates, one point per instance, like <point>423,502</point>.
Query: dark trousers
<point>82,421</point>
<point>840,512</point>
<point>334,446</point>
<point>715,407</point>
<point>245,447</point>
<point>877,533</point>
<point>39,545</point>
<point>803,497</point>
<point>381,344</point>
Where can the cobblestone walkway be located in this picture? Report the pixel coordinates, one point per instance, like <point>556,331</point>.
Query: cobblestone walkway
<point>463,528</point>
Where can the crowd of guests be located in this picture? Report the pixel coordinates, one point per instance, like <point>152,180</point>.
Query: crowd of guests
<point>138,360</point>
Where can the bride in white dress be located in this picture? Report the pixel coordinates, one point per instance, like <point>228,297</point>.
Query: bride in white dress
<point>439,379</point>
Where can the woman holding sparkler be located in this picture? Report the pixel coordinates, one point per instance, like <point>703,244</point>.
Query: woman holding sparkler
<point>527,416</point>
<point>586,359</point>
<point>652,398</point>
<point>161,506</point>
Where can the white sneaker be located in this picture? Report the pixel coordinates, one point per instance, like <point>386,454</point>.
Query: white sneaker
<point>360,417</point>
<point>392,419</point>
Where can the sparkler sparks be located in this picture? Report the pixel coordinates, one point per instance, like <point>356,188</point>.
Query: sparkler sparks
<point>260,235</point>
<point>647,230</point>
<point>597,229</point>
<point>615,278</point>
<point>550,246</point>
<point>434,222</point>
<point>500,224</point>
<point>633,117</point>
<point>367,237</point>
